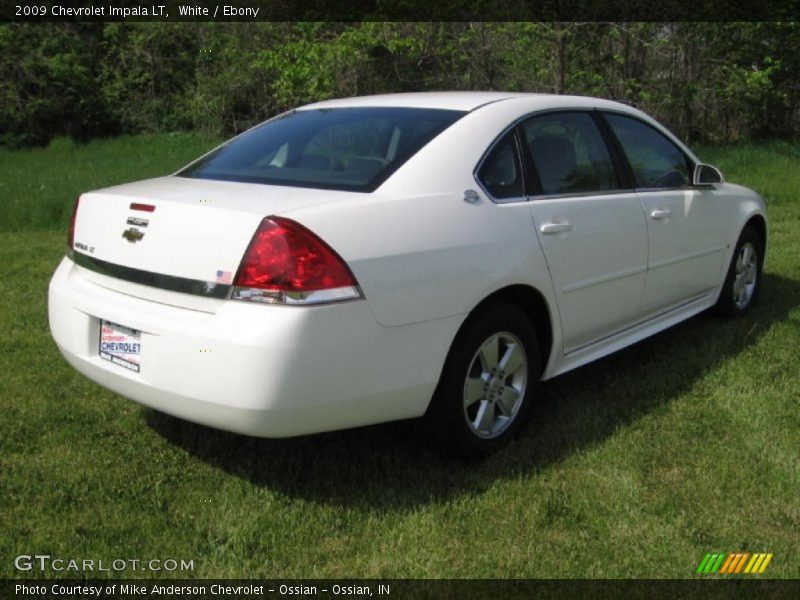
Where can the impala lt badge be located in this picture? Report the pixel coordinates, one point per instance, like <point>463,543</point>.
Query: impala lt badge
<point>133,235</point>
<point>137,221</point>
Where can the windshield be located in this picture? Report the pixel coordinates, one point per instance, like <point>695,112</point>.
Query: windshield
<point>341,148</point>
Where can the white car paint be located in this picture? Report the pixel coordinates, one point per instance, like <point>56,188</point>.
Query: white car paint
<point>423,257</point>
<point>613,282</point>
<point>188,216</point>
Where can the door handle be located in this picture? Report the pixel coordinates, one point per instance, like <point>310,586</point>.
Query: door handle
<point>661,213</point>
<point>550,228</point>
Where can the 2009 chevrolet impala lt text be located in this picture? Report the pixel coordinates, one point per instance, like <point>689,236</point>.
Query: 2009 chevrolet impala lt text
<point>388,257</point>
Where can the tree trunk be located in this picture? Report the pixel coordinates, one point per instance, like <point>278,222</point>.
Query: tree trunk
<point>561,39</point>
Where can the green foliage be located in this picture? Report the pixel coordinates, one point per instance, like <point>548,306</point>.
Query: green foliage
<point>49,83</point>
<point>147,73</point>
<point>712,82</point>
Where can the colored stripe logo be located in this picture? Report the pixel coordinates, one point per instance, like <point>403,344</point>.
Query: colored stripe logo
<point>734,563</point>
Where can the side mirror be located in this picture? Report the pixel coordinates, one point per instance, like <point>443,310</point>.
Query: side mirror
<point>706,175</point>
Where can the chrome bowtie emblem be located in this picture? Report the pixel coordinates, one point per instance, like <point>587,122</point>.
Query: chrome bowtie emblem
<point>133,235</point>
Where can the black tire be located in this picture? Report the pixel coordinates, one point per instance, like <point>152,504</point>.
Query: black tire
<point>459,428</point>
<point>737,297</point>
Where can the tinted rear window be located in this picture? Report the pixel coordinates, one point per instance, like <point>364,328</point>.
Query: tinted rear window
<point>341,148</point>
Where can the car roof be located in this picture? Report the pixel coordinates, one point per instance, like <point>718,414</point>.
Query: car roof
<point>464,101</point>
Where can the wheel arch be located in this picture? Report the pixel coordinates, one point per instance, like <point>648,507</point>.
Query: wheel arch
<point>531,302</point>
<point>439,417</point>
<point>759,223</point>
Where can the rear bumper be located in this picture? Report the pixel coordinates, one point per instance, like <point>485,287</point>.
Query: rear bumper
<point>263,370</point>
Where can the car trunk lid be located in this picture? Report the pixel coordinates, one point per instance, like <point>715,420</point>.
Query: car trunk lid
<point>177,240</point>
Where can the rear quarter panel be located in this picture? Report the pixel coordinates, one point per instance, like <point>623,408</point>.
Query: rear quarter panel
<point>426,257</point>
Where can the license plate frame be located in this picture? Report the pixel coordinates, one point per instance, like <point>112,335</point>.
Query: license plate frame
<point>120,345</point>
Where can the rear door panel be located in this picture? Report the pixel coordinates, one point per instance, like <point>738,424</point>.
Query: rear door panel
<point>592,232</point>
<point>597,266</point>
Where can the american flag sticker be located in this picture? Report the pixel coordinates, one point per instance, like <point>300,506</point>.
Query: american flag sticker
<point>224,277</point>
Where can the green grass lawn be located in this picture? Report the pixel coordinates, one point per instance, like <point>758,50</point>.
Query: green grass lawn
<point>38,187</point>
<point>635,466</point>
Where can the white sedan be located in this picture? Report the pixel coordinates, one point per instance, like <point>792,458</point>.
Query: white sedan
<point>370,259</point>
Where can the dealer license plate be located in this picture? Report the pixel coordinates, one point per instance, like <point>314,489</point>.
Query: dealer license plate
<point>120,345</point>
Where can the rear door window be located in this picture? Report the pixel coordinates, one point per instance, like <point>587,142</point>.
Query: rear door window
<point>569,154</point>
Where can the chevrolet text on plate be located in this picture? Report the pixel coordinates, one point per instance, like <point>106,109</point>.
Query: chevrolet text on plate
<point>429,255</point>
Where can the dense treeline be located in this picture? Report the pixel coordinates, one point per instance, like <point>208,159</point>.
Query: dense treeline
<point>710,82</point>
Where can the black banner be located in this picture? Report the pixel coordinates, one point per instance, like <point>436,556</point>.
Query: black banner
<point>399,10</point>
<point>398,589</point>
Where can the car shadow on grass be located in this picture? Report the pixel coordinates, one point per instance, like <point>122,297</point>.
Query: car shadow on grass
<point>392,466</point>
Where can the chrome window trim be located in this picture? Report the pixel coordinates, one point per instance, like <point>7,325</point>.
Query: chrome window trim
<point>614,192</point>
<point>610,192</point>
<point>682,188</point>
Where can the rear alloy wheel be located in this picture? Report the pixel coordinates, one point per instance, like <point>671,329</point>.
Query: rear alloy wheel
<point>495,385</point>
<point>744,275</point>
<point>487,383</point>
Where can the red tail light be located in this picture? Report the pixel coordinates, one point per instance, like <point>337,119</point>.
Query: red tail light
<point>71,230</point>
<point>286,263</point>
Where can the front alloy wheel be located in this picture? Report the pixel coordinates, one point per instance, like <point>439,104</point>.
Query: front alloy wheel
<point>742,284</point>
<point>744,281</point>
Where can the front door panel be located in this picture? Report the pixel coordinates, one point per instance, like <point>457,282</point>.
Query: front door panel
<point>686,245</point>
